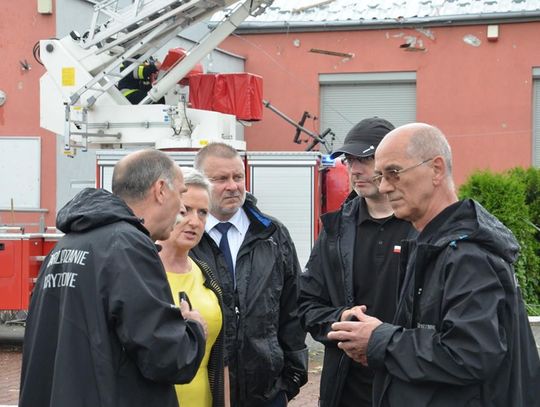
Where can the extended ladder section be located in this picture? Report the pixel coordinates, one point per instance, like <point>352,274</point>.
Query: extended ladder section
<point>141,17</point>
<point>133,34</point>
<point>79,94</point>
<point>220,31</point>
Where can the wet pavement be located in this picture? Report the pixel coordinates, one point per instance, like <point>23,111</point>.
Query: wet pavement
<point>309,393</point>
<point>10,371</point>
<point>11,358</point>
<point>10,367</point>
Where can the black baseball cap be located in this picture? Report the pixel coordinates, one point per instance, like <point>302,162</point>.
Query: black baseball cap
<point>364,137</point>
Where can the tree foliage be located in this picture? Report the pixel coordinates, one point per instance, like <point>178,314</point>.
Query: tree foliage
<point>514,198</point>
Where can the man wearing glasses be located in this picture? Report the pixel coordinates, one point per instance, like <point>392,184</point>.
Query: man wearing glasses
<point>256,263</point>
<point>354,262</point>
<point>460,335</point>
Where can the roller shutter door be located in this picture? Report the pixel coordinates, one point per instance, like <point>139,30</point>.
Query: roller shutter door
<point>345,100</point>
<point>284,185</point>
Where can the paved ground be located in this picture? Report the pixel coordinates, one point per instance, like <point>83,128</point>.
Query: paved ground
<point>10,365</point>
<point>309,394</point>
<point>10,370</point>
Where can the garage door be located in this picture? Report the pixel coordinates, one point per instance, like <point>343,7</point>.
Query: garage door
<point>348,98</point>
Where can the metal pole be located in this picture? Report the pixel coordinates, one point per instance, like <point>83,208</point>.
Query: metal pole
<point>291,121</point>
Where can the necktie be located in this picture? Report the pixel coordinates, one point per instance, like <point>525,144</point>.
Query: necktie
<point>223,228</point>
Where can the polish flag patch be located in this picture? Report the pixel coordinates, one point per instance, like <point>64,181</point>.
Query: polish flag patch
<point>397,249</point>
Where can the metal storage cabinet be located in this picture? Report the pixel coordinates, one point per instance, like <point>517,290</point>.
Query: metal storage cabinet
<point>32,256</point>
<point>10,271</point>
<point>21,256</point>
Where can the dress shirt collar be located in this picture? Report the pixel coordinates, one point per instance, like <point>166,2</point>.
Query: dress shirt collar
<point>239,220</point>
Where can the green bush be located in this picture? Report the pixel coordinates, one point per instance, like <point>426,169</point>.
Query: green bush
<point>531,178</point>
<point>513,198</point>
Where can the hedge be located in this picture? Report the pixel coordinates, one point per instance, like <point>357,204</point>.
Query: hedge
<point>514,198</point>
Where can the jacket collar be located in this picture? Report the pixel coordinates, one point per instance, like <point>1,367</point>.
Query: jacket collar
<point>347,213</point>
<point>259,222</point>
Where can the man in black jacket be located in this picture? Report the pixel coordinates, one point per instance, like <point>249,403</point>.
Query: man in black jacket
<point>257,266</point>
<point>461,335</point>
<point>102,330</point>
<point>355,261</point>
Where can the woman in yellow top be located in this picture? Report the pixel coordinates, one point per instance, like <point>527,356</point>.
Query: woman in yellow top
<point>196,279</point>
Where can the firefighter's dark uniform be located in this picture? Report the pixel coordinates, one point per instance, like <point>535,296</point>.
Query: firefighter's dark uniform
<point>136,85</point>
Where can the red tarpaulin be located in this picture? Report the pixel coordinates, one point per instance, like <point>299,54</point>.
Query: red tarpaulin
<point>239,94</point>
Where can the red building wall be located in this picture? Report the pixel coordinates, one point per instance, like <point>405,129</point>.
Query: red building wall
<point>21,26</point>
<point>479,96</point>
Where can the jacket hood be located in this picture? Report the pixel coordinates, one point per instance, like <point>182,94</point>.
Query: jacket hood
<point>92,208</point>
<point>471,221</point>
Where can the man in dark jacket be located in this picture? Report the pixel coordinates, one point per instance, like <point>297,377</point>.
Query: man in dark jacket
<point>355,261</point>
<point>461,335</point>
<point>101,328</point>
<point>257,266</point>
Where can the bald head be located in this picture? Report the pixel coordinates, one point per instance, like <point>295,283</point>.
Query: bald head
<point>135,173</point>
<point>419,141</point>
<point>415,163</point>
<point>152,186</point>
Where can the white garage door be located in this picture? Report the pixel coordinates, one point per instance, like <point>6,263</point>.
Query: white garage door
<point>348,98</point>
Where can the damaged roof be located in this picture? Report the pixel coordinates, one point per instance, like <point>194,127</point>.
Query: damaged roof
<point>313,13</point>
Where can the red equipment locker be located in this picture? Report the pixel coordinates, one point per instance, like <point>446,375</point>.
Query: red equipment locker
<point>21,256</point>
<point>31,260</point>
<point>49,241</point>
<point>10,271</point>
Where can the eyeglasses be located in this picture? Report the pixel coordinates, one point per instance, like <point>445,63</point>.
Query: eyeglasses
<point>351,159</point>
<point>392,176</point>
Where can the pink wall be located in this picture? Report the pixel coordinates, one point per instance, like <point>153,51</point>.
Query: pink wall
<point>480,97</point>
<point>20,28</point>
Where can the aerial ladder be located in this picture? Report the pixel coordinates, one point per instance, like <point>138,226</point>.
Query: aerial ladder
<point>80,99</point>
<point>79,96</point>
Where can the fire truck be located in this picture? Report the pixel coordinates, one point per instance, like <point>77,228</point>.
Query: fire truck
<point>81,100</point>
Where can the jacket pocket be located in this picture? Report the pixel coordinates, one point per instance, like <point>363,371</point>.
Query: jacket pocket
<point>264,367</point>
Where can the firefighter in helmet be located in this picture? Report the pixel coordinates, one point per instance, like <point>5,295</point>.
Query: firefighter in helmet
<point>136,85</point>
